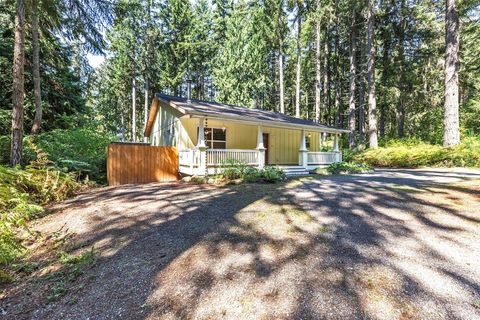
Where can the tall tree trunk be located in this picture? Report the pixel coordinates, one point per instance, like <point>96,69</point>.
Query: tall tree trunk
<point>326,73</point>
<point>18,85</point>
<point>386,72</point>
<point>337,73</point>
<point>280,59</point>
<point>318,76</point>
<point>372,103</point>
<point>280,75</point>
<point>134,110</point>
<point>299,53</point>
<point>148,60</point>
<point>353,69</point>
<point>122,118</point>
<point>401,85</point>
<point>145,107</point>
<point>37,121</point>
<point>451,133</point>
<point>361,93</point>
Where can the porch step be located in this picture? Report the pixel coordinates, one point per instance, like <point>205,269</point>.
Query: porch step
<point>294,170</point>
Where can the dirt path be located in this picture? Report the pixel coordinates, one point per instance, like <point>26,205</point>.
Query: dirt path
<point>395,244</point>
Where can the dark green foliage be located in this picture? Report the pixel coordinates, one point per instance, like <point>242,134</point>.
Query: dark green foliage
<point>77,150</point>
<point>271,174</point>
<point>348,167</point>
<point>62,91</point>
<point>411,153</point>
<point>82,151</point>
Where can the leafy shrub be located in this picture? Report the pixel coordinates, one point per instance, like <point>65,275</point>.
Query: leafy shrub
<point>22,192</point>
<point>82,151</point>
<point>348,167</point>
<point>252,175</point>
<point>28,152</point>
<point>413,153</point>
<point>233,170</point>
<point>77,150</point>
<point>271,174</point>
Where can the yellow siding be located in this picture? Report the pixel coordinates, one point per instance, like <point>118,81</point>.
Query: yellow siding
<point>284,143</point>
<point>239,136</point>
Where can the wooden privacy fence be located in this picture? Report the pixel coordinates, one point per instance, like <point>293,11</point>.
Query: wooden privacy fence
<point>140,163</point>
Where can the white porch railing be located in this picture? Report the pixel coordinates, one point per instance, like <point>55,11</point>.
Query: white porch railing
<point>218,157</point>
<point>210,161</point>
<point>323,157</point>
<point>189,157</point>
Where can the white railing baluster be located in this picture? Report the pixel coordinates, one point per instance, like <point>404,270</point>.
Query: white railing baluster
<point>314,158</point>
<point>216,157</point>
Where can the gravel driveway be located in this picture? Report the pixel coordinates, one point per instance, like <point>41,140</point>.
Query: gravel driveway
<point>394,244</point>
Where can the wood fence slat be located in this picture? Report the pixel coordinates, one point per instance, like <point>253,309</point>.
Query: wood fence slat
<point>129,163</point>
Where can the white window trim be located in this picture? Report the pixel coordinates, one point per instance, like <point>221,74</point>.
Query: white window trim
<point>309,144</point>
<point>212,141</point>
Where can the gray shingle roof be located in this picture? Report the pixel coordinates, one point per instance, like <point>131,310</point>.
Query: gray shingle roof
<point>220,110</point>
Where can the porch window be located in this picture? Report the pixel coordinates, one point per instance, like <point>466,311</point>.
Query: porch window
<point>216,138</point>
<point>307,142</point>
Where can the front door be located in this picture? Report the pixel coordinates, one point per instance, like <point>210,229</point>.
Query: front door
<point>267,146</point>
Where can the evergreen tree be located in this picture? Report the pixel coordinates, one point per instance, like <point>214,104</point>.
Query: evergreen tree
<point>451,136</point>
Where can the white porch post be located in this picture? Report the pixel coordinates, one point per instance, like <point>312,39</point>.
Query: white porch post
<point>335,143</point>
<point>260,148</point>
<point>338,156</point>
<point>202,148</point>
<point>303,152</point>
<point>191,158</point>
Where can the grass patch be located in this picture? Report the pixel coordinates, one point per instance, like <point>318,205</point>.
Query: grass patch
<point>476,304</point>
<point>412,153</point>
<point>73,267</point>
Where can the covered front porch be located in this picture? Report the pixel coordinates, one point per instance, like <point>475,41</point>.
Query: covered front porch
<point>205,159</point>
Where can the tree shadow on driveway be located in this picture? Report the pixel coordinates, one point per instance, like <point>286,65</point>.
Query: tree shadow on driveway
<point>343,247</point>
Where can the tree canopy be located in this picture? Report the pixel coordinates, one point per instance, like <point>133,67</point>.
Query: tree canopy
<point>371,66</point>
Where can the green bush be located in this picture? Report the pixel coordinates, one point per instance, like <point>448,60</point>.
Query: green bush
<point>233,170</point>
<point>413,153</point>
<point>82,151</point>
<point>77,150</point>
<point>348,167</point>
<point>22,192</point>
<point>271,174</point>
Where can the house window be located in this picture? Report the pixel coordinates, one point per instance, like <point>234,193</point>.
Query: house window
<point>307,142</point>
<point>216,138</point>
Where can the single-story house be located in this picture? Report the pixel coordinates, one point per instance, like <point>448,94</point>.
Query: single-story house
<point>207,134</point>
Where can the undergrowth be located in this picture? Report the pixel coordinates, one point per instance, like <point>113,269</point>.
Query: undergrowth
<point>82,151</point>
<point>348,167</point>
<point>22,194</point>
<point>412,153</point>
<point>73,266</point>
